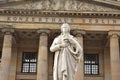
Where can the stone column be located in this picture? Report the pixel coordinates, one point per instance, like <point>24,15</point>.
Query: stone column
<point>106,63</point>
<point>80,71</point>
<point>6,53</point>
<point>42,65</point>
<point>114,55</point>
<point>14,60</point>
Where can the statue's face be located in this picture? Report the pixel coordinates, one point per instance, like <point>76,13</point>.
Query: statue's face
<point>65,29</point>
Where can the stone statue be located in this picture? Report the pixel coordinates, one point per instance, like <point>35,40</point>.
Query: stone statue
<point>68,52</point>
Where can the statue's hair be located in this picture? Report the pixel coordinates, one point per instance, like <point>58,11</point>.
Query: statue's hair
<point>65,25</point>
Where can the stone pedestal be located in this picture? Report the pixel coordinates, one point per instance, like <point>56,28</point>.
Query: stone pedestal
<point>42,64</point>
<point>80,70</point>
<point>114,55</point>
<point>6,54</point>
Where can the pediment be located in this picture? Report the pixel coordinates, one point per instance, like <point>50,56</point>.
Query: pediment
<point>60,5</point>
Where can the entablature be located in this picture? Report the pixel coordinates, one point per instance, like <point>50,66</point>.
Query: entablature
<point>24,12</point>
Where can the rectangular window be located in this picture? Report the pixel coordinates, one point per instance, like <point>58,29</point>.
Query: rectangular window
<point>29,62</point>
<point>91,64</point>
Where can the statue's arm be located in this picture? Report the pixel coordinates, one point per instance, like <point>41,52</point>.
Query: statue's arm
<point>76,44</point>
<point>80,50</point>
<point>54,47</point>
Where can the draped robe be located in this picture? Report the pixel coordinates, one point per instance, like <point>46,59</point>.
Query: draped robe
<point>65,60</point>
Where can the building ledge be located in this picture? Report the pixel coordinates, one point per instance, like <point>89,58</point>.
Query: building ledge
<point>26,76</point>
<point>24,12</point>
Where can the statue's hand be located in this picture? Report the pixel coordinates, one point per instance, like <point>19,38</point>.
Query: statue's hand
<point>63,45</point>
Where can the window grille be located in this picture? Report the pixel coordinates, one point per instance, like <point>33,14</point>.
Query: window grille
<point>29,62</point>
<point>91,64</point>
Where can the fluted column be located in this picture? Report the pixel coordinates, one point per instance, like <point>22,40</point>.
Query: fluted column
<point>80,70</point>
<point>42,65</point>
<point>114,55</point>
<point>6,53</point>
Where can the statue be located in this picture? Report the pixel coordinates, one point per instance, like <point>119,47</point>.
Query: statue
<point>68,53</point>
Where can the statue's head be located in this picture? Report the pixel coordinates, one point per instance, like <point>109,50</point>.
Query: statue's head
<point>65,28</point>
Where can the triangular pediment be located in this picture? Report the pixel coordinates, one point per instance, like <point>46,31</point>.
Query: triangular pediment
<point>63,5</point>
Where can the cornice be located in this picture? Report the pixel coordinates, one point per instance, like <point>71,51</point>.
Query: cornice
<point>26,12</point>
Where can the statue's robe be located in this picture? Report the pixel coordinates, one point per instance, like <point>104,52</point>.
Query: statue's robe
<point>65,62</point>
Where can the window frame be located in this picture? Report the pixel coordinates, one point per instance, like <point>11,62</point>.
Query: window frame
<point>0,56</point>
<point>29,62</point>
<point>98,72</point>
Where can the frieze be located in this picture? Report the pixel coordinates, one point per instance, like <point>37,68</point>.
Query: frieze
<point>32,19</point>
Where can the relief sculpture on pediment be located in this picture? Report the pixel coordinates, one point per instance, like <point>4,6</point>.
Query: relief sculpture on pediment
<point>70,5</point>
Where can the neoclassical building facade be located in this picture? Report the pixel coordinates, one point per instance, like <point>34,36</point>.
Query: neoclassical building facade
<point>28,28</point>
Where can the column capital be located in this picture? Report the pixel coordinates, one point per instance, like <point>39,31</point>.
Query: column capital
<point>7,29</point>
<point>78,32</point>
<point>43,31</point>
<point>114,33</point>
